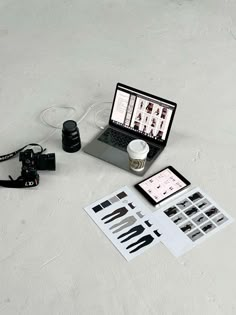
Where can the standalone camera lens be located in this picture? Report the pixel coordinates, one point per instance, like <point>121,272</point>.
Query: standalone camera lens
<point>70,136</point>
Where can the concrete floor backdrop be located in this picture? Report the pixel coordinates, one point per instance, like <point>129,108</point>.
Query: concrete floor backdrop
<point>53,258</point>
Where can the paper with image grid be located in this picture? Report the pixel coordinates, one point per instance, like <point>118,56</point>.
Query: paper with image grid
<point>190,220</point>
<point>125,221</point>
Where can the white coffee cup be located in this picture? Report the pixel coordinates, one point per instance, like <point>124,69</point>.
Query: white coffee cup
<point>138,151</point>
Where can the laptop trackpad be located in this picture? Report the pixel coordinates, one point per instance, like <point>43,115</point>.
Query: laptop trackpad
<point>114,156</point>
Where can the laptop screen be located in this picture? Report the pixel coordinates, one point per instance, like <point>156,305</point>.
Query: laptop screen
<point>143,113</point>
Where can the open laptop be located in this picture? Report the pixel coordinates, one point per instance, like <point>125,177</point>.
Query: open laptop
<point>134,115</point>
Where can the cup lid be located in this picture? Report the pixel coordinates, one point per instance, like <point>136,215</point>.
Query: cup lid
<point>138,146</point>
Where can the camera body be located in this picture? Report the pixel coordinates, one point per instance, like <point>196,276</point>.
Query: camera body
<point>31,163</point>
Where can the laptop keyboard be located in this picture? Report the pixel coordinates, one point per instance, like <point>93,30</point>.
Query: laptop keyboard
<point>120,141</point>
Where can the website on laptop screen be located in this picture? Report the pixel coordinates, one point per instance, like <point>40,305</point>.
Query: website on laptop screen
<point>141,113</point>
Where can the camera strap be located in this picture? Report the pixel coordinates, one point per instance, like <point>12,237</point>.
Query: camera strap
<point>20,182</point>
<point>9,156</point>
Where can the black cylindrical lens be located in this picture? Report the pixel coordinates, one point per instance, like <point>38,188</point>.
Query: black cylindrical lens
<point>46,162</point>
<point>70,136</point>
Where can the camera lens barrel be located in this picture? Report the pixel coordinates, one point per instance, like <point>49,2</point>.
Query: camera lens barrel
<point>46,162</point>
<point>70,137</point>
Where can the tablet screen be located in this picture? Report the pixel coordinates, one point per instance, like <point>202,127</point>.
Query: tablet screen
<point>162,185</point>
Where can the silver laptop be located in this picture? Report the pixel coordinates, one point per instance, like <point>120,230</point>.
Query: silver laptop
<point>134,115</point>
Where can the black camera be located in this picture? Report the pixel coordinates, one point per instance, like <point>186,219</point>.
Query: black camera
<point>31,163</point>
<point>38,161</point>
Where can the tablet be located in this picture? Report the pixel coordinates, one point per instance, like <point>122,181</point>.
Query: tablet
<point>162,185</point>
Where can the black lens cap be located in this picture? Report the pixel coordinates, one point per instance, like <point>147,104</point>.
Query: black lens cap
<point>69,126</point>
<point>70,136</point>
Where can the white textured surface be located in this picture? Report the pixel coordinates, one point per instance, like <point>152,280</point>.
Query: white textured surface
<point>53,259</point>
